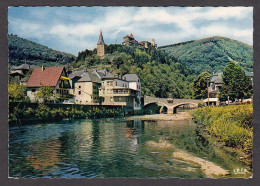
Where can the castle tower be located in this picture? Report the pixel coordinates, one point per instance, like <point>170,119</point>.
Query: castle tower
<point>153,43</point>
<point>100,45</point>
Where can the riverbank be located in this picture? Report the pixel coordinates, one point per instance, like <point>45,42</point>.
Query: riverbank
<point>162,117</point>
<point>197,144</point>
<point>209,168</point>
<point>22,114</point>
<point>230,128</point>
<point>232,125</point>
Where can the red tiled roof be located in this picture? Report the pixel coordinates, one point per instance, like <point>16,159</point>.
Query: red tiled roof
<point>48,77</point>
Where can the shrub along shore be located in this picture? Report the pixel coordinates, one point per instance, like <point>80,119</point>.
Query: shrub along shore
<point>43,113</point>
<point>232,125</point>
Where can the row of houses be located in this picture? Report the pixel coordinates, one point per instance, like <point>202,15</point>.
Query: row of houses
<point>87,86</point>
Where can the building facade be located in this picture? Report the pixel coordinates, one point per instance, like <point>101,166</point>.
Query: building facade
<point>115,90</point>
<point>94,86</point>
<point>135,84</point>
<point>215,85</point>
<point>55,77</point>
<point>86,89</point>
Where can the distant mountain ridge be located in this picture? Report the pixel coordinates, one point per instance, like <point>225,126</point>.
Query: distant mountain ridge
<point>211,54</point>
<point>25,51</point>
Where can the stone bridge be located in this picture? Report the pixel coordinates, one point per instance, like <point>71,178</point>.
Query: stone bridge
<point>170,104</point>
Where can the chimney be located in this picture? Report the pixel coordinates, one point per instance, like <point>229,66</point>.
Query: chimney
<point>43,68</point>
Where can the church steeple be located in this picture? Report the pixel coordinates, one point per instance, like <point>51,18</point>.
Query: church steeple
<point>100,45</point>
<point>100,39</point>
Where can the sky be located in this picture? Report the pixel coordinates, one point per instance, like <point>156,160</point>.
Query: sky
<point>74,29</point>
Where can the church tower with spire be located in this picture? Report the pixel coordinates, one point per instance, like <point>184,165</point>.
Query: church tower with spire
<point>100,45</point>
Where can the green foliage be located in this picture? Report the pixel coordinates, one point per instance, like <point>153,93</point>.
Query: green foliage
<point>211,54</point>
<point>200,85</point>
<point>22,50</point>
<point>45,93</point>
<point>42,112</point>
<point>16,92</point>
<point>236,83</point>
<point>160,75</point>
<point>45,113</point>
<point>231,124</point>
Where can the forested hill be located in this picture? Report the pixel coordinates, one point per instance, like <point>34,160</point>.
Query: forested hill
<point>22,50</point>
<point>160,75</point>
<point>211,54</point>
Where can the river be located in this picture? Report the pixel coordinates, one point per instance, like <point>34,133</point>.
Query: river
<point>105,148</point>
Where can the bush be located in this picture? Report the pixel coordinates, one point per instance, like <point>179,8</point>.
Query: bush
<point>231,124</point>
<point>43,113</point>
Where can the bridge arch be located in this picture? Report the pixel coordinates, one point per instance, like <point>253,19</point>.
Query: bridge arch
<point>162,106</point>
<point>174,107</point>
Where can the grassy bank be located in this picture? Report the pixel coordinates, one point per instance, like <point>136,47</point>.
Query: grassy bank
<point>232,125</point>
<point>21,114</point>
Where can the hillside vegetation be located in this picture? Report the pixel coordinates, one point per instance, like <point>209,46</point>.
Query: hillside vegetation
<point>160,75</point>
<point>211,54</point>
<point>22,50</point>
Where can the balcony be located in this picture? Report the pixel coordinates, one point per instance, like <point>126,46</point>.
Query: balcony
<point>123,92</point>
<point>63,93</point>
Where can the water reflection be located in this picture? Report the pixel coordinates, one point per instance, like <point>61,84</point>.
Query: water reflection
<point>97,148</point>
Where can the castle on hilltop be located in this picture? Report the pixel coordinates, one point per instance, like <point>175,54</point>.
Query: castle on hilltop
<point>129,40</point>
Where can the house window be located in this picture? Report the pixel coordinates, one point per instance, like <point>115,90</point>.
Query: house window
<point>79,92</point>
<point>79,86</point>
<point>33,90</point>
<point>111,83</point>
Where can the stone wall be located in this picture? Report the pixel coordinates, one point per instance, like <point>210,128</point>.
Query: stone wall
<point>149,99</point>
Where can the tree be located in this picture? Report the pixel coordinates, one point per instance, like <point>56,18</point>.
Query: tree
<point>16,92</point>
<point>236,84</point>
<point>200,85</point>
<point>45,93</point>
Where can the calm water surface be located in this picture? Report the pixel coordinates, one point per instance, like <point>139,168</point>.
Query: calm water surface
<point>98,148</point>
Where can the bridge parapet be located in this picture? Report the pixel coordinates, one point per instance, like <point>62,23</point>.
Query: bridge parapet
<point>149,99</point>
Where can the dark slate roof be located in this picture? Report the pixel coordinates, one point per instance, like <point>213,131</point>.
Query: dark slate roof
<point>17,72</point>
<point>217,77</point>
<point>90,77</point>
<point>109,75</point>
<point>85,77</point>
<point>131,77</point>
<point>95,78</point>
<point>76,73</point>
<point>22,67</point>
<point>100,39</point>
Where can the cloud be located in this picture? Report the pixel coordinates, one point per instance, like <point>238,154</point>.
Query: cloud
<point>75,29</point>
